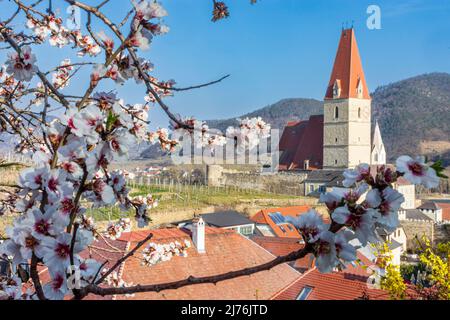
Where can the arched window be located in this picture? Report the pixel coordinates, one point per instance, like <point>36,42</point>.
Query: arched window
<point>336,112</point>
<point>359,112</point>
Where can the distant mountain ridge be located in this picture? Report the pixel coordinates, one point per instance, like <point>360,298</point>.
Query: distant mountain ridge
<point>277,114</point>
<point>414,116</point>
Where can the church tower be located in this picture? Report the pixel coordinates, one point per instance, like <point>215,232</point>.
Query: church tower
<point>347,109</point>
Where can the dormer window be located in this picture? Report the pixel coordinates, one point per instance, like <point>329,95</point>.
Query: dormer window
<point>337,89</point>
<point>359,89</point>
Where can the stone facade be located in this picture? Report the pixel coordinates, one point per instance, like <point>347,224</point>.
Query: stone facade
<point>417,228</point>
<point>214,175</point>
<point>282,183</point>
<point>347,133</point>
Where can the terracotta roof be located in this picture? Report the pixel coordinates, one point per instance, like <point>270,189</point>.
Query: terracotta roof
<point>445,211</point>
<point>347,69</point>
<point>285,230</point>
<point>284,246</point>
<point>300,141</point>
<point>331,286</point>
<point>403,182</point>
<point>225,251</point>
<point>103,251</point>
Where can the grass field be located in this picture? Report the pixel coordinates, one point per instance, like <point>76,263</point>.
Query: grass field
<point>188,197</point>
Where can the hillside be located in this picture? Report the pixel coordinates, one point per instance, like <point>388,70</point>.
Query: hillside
<point>414,115</point>
<point>277,114</point>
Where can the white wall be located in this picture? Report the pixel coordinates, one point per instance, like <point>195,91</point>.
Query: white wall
<point>409,192</point>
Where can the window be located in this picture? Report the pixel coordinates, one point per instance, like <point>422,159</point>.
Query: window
<point>246,230</point>
<point>336,89</point>
<point>4,268</point>
<point>359,89</point>
<point>304,293</point>
<point>335,161</point>
<point>336,112</point>
<point>311,188</point>
<point>359,112</point>
<point>376,157</point>
<point>336,140</point>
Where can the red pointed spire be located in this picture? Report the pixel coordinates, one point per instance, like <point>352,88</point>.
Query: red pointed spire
<point>347,79</point>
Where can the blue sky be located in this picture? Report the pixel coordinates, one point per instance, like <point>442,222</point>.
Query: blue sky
<point>285,48</point>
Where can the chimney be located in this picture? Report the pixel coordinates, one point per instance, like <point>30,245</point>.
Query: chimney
<point>401,214</point>
<point>306,165</point>
<point>198,234</point>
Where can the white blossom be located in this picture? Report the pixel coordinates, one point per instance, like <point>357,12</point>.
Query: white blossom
<point>417,172</point>
<point>22,66</point>
<point>310,224</point>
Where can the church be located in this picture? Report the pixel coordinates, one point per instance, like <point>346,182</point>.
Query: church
<point>342,137</point>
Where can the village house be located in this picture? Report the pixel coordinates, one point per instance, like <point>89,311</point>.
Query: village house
<point>229,220</point>
<point>396,241</point>
<point>272,222</point>
<point>438,211</point>
<point>354,282</point>
<point>214,251</point>
<point>322,181</point>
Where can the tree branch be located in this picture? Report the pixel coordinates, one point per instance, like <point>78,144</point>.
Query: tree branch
<point>95,289</point>
<point>125,257</point>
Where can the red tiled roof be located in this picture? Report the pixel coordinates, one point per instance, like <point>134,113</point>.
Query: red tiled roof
<point>402,182</point>
<point>103,251</point>
<point>225,251</point>
<point>262,217</point>
<point>445,210</point>
<point>331,286</point>
<point>300,141</point>
<point>284,246</point>
<point>347,68</point>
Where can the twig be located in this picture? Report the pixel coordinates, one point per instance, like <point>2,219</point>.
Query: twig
<point>125,257</point>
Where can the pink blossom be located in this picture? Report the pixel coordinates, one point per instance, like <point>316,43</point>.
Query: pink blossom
<point>417,172</point>
<point>22,66</point>
<point>56,289</point>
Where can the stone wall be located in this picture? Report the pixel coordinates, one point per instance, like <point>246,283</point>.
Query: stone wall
<point>419,228</point>
<point>282,183</point>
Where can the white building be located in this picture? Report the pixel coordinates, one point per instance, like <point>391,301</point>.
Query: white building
<point>408,190</point>
<point>378,156</point>
<point>432,210</point>
<point>396,242</point>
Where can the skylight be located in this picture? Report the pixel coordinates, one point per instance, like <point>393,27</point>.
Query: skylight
<point>304,294</point>
<point>277,218</point>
